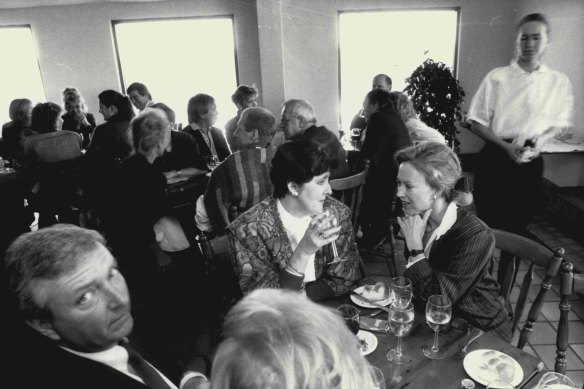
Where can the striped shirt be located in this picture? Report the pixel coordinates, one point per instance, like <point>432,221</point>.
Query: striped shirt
<point>241,180</point>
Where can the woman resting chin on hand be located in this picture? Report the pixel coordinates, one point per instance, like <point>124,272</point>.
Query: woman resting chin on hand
<point>449,250</point>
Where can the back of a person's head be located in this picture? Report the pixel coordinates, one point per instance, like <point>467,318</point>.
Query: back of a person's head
<point>198,106</point>
<point>403,105</point>
<point>440,167</point>
<point>44,117</point>
<point>148,129</point>
<point>170,115</point>
<point>140,88</point>
<point>242,93</point>
<point>19,109</point>
<point>122,103</point>
<point>279,339</point>
<point>302,108</point>
<point>382,98</point>
<point>297,161</point>
<point>260,119</point>
<point>45,254</point>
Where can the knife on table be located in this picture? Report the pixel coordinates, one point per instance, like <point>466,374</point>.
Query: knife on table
<point>366,300</point>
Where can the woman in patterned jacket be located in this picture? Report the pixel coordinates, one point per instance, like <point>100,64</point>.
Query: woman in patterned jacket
<point>284,241</point>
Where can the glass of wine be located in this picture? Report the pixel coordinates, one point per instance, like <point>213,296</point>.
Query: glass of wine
<point>333,217</point>
<point>212,161</point>
<point>553,380</point>
<point>401,287</point>
<point>351,316</point>
<point>438,314</point>
<point>401,320</point>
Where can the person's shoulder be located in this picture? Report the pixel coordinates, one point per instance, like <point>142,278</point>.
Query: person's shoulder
<point>265,209</point>
<point>469,224</point>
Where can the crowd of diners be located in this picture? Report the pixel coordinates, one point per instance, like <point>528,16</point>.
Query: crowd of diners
<point>83,299</point>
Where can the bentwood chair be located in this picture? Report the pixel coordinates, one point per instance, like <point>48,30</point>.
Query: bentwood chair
<point>349,190</point>
<point>550,261</point>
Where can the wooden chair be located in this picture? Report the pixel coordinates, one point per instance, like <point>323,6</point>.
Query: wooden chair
<point>350,190</point>
<point>566,287</point>
<point>535,254</point>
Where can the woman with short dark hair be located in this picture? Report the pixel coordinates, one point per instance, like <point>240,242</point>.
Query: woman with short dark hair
<point>284,241</point>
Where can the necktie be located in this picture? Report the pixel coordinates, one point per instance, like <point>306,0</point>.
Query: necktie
<point>143,369</point>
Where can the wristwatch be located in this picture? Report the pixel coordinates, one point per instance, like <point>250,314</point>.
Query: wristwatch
<point>415,252</point>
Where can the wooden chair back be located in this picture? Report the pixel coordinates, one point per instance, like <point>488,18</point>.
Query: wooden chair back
<point>566,287</point>
<point>351,189</point>
<point>536,255</point>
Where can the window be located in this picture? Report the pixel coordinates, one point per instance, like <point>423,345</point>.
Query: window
<point>179,58</point>
<point>20,76</point>
<point>390,42</point>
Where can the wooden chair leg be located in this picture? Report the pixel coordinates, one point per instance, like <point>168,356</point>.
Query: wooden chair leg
<point>566,281</point>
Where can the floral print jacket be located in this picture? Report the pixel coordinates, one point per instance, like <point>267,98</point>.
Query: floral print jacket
<point>262,250</point>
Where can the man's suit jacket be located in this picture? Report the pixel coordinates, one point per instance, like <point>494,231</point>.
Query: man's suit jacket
<point>203,149</point>
<point>37,362</point>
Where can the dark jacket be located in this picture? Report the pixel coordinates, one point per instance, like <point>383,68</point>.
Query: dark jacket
<point>203,149</point>
<point>327,140</point>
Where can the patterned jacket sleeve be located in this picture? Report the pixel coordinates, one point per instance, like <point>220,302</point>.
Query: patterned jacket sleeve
<point>344,276</point>
<point>458,271</point>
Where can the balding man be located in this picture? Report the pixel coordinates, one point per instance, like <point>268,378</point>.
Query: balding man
<point>299,121</point>
<point>380,81</point>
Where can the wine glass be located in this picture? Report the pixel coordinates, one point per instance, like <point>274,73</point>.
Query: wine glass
<point>333,217</point>
<point>401,287</point>
<point>377,377</point>
<point>351,316</point>
<point>438,314</point>
<point>212,161</point>
<point>400,320</point>
<point>553,380</point>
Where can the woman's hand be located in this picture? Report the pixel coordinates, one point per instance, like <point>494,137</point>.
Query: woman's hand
<point>413,229</point>
<point>319,233</point>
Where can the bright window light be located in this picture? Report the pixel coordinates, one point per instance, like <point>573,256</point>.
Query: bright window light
<point>20,76</point>
<point>390,42</point>
<point>176,59</point>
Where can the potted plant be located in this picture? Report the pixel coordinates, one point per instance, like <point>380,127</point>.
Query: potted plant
<point>437,96</point>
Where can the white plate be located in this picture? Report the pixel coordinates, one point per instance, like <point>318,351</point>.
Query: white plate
<point>370,339</point>
<point>363,304</point>
<point>476,367</point>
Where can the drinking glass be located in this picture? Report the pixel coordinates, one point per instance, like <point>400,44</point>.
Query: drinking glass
<point>377,377</point>
<point>400,320</point>
<point>351,316</point>
<point>553,380</point>
<point>212,161</point>
<point>438,314</point>
<point>332,215</point>
<point>401,287</point>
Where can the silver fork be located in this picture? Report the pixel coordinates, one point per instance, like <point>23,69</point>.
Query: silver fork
<point>474,335</point>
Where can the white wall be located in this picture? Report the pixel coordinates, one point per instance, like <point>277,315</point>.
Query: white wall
<point>75,47</point>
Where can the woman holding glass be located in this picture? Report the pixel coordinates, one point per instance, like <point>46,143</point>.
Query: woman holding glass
<point>449,250</point>
<point>285,241</point>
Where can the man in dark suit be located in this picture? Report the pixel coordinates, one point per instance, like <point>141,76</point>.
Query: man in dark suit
<point>76,306</point>
<point>299,121</point>
<point>202,113</point>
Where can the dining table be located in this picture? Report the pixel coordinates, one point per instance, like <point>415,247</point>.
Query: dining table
<point>424,373</point>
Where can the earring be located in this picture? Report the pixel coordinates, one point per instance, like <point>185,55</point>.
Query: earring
<point>434,197</point>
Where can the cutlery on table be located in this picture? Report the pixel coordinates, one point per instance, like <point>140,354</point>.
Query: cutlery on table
<point>474,335</point>
<point>374,313</point>
<point>366,300</point>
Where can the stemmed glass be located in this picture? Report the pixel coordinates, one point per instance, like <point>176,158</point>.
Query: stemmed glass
<point>401,320</point>
<point>438,314</point>
<point>377,377</point>
<point>351,316</point>
<point>333,217</point>
<point>401,287</point>
<point>553,380</point>
<point>212,161</point>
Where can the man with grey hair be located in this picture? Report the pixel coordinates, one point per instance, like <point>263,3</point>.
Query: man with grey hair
<point>68,290</point>
<point>299,121</point>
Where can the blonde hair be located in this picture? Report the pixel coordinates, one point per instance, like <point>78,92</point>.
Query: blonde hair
<point>279,339</point>
<point>439,165</point>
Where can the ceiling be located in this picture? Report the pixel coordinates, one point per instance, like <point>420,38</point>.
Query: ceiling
<point>46,3</point>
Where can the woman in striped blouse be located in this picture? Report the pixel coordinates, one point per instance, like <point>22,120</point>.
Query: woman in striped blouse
<point>450,251</point>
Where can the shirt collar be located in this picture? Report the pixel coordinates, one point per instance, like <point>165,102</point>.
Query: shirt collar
<point>518,70</point>
<point>447,221</point>
<point>116,357</point>
<point>290,220</point>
